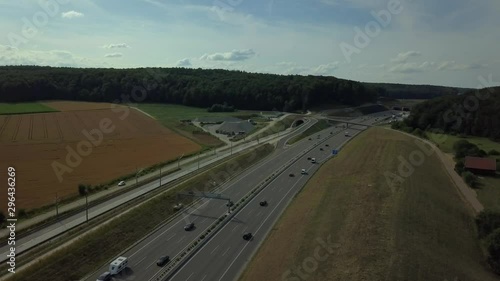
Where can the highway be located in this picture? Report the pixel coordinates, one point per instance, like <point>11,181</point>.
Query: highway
<point>51,231</point>
<point>227,253</point>
<point>171,238</point>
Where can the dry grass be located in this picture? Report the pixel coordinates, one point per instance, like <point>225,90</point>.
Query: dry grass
<point>420,230</point>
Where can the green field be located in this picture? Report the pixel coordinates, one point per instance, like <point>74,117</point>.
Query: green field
<point>279,126</point>
<point>446,142</point>
<point>24,108</point>
<point>416,230</point>
<point>319,126</point>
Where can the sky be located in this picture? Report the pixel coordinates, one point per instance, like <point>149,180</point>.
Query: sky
<point>446,42</point>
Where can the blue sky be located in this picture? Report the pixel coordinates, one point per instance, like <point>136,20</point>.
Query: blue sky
<point>447,42</point>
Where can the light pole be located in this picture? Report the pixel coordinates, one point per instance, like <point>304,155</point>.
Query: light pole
<point>199,160</point>
<point>179,161</point>
<point>57,207</point>
<point>87,204</point>
<point>231,148</point>
<point>160,175</point>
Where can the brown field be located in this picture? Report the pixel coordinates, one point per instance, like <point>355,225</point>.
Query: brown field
<point>32,142</point>
<point>78,105</point>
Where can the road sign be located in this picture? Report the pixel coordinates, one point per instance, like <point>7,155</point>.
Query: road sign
<point>335,152</point>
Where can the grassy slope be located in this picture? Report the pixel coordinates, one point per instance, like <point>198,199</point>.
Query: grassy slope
<point>319,126</point>
<point>418,231</point>
<point>28,107</point>
<point>488,191</point>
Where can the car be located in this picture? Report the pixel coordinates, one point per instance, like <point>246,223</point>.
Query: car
<point>121,183</point>
<point>303,171</point>
<point>263,203</point>
<point>178,207</point>
<point>321,149</point>
<point>327,145</point>
<point>309,138</point>
<point>106,276</point>
<point>308,158</point>
<point>189,226</point>
<point>162,260</point>
<point>331,133</point>
<point>313,160</point>
<point>247,236</point>
<point>291,175</point>
<point>230,204</point>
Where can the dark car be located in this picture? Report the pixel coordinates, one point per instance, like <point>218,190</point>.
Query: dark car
<point>308,158</point>
<point>309,138</point>
<point>263,203</point>
<point>292,175</point>
<point>327,145</point>
<point>189,226</point>
<point>163,261</point>
<point>321,149</point>
<point>106,276</point>
<point>247,236</point>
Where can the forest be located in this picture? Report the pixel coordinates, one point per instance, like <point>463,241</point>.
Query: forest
<point>193,87</point>
<point>475,113</point>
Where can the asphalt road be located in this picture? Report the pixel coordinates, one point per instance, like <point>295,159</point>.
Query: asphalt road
<point>227,253</point>
<point>66,224</point>
<point>171,239</point>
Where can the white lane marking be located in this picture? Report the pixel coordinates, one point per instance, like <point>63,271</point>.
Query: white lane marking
<point>226,251</point>
<point>214,249</point>
<point>203,220</point>
<point>189,276</point>
<point>140,261</point>
<point>235,227</point>
<point>204,277</point>
<point>259,213</point>
<point>150,265</point>
<point>251,211</point>
<point>182,238</point>
<point>172,236</point>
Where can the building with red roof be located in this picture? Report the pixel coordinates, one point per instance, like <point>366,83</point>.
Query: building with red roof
<point>480,165</point>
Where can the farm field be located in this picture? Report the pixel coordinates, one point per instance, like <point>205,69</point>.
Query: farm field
<point>79,105</point>
<point>33,143</point>
<point>26,107</point>
<point>348,223</point>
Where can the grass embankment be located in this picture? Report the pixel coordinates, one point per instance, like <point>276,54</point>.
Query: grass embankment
<point>420,230</point>
<point>279,126</point>
<point>97,248</point>
<point>488,191</point>
<point>170,115</point>
<point>24,108</point>
<point>319,126</point>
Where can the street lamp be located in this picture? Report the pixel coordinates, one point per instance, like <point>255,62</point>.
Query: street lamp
<point>179,161</point>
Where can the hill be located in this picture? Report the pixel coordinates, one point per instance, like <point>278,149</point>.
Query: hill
<point>349,223</point>
<point>475,113</point>
<point>402,91</point>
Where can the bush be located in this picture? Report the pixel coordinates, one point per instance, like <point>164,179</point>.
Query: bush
<point>22,213</point>
<point>459,167</point>
<point>83,189</point>
<point>487,221</point>
<point>470,179</point>
<point>2,217</point>
<point>493,250</point>
<point>493,152</point>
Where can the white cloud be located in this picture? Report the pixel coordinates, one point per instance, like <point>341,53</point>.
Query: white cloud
<point>114,55</point>
<point>326,69</point>
<point>13,56</point>
<point>234,55</point>
<point>403,57</point>
<point>116,46</point>
<point>452,65</point>
<point>183,62</point>
<point>71,14</point>
<point>411,67</point>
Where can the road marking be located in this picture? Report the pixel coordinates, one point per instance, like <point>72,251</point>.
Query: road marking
<point>259,213</point>
<point>204,277</point>
<point>182,238</point>
<point>235,227</point>
<point>172,236</point>
<point>214,249</point>
<point>251,211</point>
<point>203,220</point>
<point>150,265</point>
<point>226,251</point>
<point>140,261</point>
<point>189,276</point>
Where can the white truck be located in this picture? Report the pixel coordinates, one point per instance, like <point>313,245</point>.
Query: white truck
<point>313,160</point>
<point>118,265</point>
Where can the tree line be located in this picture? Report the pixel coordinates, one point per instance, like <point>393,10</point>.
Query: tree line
<point>192,87</point>
<point>474,113</point>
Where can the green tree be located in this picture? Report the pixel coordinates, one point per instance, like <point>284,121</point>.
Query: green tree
<point>493,250</point>
<point>470,179</point>
<point>487,221</point>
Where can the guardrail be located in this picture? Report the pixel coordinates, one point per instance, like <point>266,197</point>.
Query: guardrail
<point>181,258</point>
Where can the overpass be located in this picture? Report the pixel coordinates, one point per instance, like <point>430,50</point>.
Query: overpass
<point>347,122</point>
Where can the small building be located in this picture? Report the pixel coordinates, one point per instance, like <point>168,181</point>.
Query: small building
<point>235,128</point>
<point>480,165</point>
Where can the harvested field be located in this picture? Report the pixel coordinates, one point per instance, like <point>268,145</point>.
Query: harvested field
<point>33,142</point>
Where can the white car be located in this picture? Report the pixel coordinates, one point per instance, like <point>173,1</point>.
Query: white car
<point>122,183</point>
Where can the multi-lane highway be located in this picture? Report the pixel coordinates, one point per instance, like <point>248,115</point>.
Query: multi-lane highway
<point>171,239</point>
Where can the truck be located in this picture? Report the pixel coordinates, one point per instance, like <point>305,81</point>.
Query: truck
<point>313,160</point>
<point>118,265</point>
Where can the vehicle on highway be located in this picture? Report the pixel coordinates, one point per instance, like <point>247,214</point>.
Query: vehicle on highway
<point>230,204</point>
<point>303,172</point>
<point>177,207</point>
<point>291,175</point>
<point>106,276</point>
<point>189,226</point>
<point>122,183</point>
<point>308,158</point>
<point>118,265</point>
<point>321,148</point>
<point>309,138</point>
<point>263,203</point>
<point>346,133</point>
<point>163,261</point>
<point>313,160</point>
<point>247,236</point>
<point>327,145</point>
